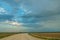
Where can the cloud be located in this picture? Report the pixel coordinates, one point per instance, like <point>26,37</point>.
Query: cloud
<point>51,24</point>
<point>5,17</point>
<point>33,15</point>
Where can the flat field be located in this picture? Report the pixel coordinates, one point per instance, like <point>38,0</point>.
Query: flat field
<point>2,35</point>
<point>46,35</point>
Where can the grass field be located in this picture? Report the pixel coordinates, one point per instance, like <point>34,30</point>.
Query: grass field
<point>2,35</point>
<point>47,36</point>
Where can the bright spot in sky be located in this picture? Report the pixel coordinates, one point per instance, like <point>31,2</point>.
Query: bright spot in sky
<point>15,23</point>
<point>12,23</point>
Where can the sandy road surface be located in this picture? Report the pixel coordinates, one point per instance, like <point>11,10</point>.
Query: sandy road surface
<point>23,36</point>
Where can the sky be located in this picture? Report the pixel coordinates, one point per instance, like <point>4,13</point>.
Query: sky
<point>29,15</point>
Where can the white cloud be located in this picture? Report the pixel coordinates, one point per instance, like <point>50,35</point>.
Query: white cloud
<point>2,11</point>
<point>25,8</point>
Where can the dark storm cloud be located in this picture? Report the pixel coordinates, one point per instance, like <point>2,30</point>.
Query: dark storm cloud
<point>5,17</point>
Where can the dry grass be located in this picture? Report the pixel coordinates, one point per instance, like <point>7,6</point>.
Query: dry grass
<point>2,35</point>
<point>47,35</point>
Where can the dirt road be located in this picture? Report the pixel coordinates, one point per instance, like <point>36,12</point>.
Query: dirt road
<point>23,36</point>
